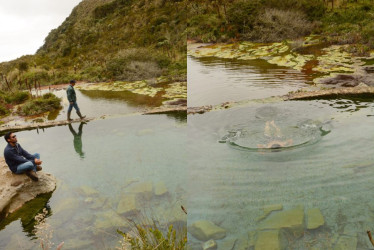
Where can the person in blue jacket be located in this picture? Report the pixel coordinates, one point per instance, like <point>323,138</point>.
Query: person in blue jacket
<point>72,98</point>
<point>19,160</point>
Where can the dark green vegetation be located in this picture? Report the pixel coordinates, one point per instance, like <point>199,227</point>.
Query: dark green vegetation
<point>39,105</point>
<point>28,105</point>
<point>340,21</point>
<point>105,40</point>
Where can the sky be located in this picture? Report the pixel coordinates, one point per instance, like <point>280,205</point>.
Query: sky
<point>24,24</point>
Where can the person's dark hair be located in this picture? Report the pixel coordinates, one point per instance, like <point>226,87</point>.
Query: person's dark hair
<point>72,81</point>
<point>7,136</point>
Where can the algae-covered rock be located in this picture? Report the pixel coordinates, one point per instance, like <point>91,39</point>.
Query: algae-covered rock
<point>346,243</point>
<point>269,240</point>
<point>292,219</point>
<point>137,87</point>
<point>315,218</point>
<point>210,245</point>
<point>127,204</point>
<point>205,230</point>
<point>160,189</point>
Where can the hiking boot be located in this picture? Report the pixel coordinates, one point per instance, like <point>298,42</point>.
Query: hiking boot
<point>69,119</point>
<point>39,168</point>
<point>80,115</point>
<point>32,175</point>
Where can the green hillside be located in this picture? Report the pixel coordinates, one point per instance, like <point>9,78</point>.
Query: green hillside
<point>339,21</point>
<point>105,40</point>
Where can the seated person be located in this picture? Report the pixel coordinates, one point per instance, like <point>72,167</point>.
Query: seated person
<point>19,160</point>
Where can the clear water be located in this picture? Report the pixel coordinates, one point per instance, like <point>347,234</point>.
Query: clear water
<point>109,156</point>
<point>219,165</point>
<point>234,173</point>
<point>212,81</point>
<point>231,187</point>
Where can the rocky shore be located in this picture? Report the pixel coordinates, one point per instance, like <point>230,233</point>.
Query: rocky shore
<point>16,190</point>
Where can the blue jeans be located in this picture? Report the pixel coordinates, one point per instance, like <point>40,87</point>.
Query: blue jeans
<point>27,166</point>
<point>75,105</point>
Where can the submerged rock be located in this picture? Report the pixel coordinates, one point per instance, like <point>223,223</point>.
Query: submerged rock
<point>269,240</point>
<point>160,189</point>
<point>292,220</point>
<point>127,204</point>
<point>16,190</point>
<point>206,230</point>
<point>142,190</point>
<point>268,209</point>
<point>315,218</point>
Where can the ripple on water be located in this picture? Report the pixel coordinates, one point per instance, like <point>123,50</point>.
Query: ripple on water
<point>271,137</point>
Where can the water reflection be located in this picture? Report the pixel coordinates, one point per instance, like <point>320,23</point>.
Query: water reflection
<point>26,214</point>
<point>77,138</point>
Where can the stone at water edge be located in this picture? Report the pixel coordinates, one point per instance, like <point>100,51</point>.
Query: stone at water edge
<point>205,230</point>
<point>210,245</point>
<point>314,218</point>
<point>13,197</point>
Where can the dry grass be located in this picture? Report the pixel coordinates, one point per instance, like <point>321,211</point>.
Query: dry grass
<point>276,25</point>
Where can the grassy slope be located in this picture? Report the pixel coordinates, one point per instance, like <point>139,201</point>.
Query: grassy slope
<point>109,40</point>
<point>352,22</point>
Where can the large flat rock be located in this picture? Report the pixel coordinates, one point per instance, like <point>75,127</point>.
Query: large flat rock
<point>16,190</point>
<point>292,219</point>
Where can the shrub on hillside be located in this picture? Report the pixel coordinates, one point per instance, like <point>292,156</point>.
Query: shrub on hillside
<point>204,28</point>
<point>47,102</point>
<point>277,25</point>
<point>135,64</point>
<point>243,14</point>
<point>15,97</point>
<point>314,9</point>
<point>3,110</point>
